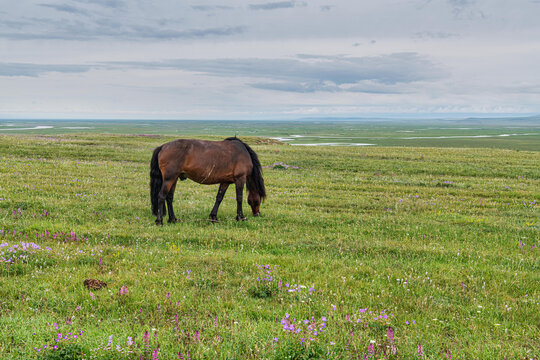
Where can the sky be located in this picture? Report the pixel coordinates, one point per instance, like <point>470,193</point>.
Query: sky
<point>261,59</point>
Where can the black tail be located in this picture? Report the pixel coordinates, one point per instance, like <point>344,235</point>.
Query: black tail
<point>255,181</point>
<point>156,181</point>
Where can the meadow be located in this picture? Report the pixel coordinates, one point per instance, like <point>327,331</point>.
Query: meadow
<point>373,252</point>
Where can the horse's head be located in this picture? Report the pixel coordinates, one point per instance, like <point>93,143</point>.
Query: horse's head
<point>254,200</point>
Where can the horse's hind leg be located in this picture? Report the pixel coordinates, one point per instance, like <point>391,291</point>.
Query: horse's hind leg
<point>165,188</point>
<point>169,198</point>
<point>221,193</point>
<point>239,197</point>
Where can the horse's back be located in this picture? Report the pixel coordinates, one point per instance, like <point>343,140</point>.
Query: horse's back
<point>207,162</point>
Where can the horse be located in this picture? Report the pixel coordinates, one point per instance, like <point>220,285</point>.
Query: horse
<point>206,162</point>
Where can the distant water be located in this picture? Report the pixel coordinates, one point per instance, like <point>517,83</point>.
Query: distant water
<point>346,140</point>
<point>291,138</point>
<point>334,144</point>
<point>31,128</point>
<point>465,136</point>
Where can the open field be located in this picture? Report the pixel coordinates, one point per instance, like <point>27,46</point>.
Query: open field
<point>395,252</point>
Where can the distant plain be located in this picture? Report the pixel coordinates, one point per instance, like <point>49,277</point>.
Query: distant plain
<point>505,133</point>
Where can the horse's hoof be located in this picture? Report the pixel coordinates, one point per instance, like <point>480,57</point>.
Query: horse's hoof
<point>213,219</point>
<point>242,218</point>
<point>173,220</point>
<point>159,223</point>
<point>257,214</point>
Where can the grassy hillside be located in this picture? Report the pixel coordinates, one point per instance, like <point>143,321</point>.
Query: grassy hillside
<point>375,251</point>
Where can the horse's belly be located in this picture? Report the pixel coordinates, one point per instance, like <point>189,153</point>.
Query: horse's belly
<point>209,179</point>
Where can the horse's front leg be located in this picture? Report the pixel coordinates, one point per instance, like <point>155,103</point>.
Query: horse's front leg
<point>239,197</point>
<point>221,193</point>
<point>170,197</point>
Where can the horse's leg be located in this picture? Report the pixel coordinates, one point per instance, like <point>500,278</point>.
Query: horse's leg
<point>239,197</point>
<point>165,188</point>
<point>170,197</point>
<point>221,193</point>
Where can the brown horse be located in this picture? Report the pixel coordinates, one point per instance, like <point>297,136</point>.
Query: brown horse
<point>206,162</point>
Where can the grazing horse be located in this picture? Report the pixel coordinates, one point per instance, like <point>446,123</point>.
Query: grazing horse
<point>226,162</point>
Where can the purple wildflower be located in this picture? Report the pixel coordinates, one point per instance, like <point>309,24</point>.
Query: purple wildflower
<point>390,334</point>
<point>146,339</point>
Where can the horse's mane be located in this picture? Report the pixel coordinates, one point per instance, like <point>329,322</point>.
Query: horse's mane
<point>255,181</point>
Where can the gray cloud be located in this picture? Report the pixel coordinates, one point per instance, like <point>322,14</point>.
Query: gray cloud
<point>151,32</point>
<point>35,70</point>
<point>101,20</point>
<point>366,87</point>
<point>435,35</point>
<point>66,8</point>
<point>465,9</point>
<point>298,87</point>
<point>99,28</point>
<point>211,7</point>
<point>461,3</point>
<point>114,4</point>
<point>276,5</point>
<point>310,73</point>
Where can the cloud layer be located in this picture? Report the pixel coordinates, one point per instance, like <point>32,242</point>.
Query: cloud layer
<point>35,70</point>
<point>264,58</point>
<point>312,73</point>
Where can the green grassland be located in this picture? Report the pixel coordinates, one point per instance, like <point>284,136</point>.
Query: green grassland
<point>376,252</point>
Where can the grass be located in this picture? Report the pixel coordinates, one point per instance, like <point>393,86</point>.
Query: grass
<point>439,245</point>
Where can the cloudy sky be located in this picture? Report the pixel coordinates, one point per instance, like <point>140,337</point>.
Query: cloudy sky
<point>261,59</point>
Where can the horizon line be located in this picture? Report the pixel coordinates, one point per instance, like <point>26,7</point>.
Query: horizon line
<point>374,117</point>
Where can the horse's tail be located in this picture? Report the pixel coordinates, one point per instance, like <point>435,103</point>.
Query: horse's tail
<point>156,180</point>
<point>255,181</point>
